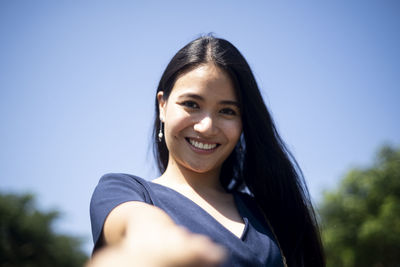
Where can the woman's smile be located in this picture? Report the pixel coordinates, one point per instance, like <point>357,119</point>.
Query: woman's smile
<point>202,146</point>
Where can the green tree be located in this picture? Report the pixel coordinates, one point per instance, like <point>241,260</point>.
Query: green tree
<point>27,238</point>
<point>361,218</point>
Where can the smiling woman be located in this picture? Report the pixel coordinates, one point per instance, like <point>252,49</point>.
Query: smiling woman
<point>202,122</point>
<point>230,193</point>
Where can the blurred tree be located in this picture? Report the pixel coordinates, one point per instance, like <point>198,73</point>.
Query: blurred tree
<point>27,238</point>
<point>361,219</point>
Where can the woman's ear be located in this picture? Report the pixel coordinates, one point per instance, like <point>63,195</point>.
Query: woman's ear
<point>162,103</point>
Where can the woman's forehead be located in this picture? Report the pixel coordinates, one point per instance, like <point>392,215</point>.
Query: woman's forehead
<point>206,80</point>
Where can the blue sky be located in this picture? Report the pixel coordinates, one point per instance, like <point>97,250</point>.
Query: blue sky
<point>78,81</point>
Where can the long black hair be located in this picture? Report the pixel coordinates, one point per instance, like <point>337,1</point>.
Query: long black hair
<point>261,162</point>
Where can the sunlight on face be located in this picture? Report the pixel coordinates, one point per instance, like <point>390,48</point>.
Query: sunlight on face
<point>202,121</point>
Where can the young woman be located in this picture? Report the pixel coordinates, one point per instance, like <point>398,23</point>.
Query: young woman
<point>230,193</point>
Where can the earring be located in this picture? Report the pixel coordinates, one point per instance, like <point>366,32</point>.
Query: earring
<point>160,133</point>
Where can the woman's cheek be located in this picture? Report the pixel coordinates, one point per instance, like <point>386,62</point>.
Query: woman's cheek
<point>234,129</point>
<point>179,123</point>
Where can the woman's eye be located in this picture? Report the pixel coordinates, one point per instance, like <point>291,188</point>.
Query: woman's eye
<point>190,104</point>
<point>228,111</point>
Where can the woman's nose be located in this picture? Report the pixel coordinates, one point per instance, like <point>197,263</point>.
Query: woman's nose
<point>206,126</point>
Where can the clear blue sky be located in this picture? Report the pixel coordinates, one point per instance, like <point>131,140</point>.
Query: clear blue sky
<point>78,81</point>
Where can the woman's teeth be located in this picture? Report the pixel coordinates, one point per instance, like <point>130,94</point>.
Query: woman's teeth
<point>202,145</point>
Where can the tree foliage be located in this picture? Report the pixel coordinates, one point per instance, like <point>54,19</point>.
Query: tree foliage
<point>361,218</point>
<point>27,238</point>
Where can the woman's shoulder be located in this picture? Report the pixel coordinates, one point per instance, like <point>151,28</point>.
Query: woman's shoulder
<point>122,177</point>
<point>121,185</point>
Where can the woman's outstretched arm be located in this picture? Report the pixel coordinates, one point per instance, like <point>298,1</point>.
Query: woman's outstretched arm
<point>139,234</point>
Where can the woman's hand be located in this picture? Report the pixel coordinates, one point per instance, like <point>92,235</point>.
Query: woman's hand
<point>174,247</point>
<point>151,239</point>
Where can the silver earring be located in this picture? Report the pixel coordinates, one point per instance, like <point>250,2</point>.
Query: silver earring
<point>160,133</point>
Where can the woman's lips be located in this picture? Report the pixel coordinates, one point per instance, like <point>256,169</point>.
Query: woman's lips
<point>202,145</point>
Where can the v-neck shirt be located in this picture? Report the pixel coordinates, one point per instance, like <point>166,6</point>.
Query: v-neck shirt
<point>255,247</point>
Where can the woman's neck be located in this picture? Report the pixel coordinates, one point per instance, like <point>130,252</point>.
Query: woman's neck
<point>177,175</point>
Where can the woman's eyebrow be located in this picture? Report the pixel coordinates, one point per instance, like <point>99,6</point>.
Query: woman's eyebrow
<point>199,97</point>
<point>190,95</point>
<point>230,102</point>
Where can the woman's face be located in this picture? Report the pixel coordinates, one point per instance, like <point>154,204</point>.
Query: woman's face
<point>202,121</point>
